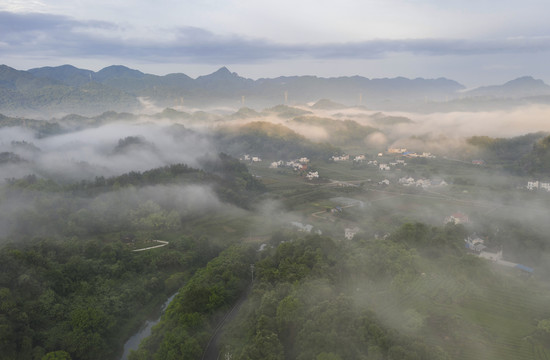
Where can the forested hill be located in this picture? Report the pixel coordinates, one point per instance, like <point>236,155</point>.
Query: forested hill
<point>273,140</point>
<point>415,295</point>
<point>525,155</point>
<point>71,286</point>
<point>65,89</point>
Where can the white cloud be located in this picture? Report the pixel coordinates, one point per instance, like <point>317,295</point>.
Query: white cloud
<point>276,38</point>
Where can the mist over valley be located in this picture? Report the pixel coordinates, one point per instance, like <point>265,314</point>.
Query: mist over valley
<point>295,217</point>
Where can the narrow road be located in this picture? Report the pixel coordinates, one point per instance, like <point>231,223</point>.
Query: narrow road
<point>212,352</point>
<point>162,243</point>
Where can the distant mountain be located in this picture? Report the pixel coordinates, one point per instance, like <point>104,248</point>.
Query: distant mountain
<point>66,74</point>
<point>23,81</point>
<point>56,91</point>
<point>326,104</point>
<point>117,71</point>
<point>285,111</point>
<point>245,113</point>
<point>522,87</point>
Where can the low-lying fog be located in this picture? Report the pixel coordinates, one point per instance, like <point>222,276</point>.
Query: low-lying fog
<point>109,150</point>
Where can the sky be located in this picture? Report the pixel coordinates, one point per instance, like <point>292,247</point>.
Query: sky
<point>481,42</point>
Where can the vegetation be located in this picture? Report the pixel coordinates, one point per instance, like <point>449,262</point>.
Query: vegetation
<point>200,304</point>
<point>84,296</point>
<point>339,132</point>
<point>260,257</point>
<point>522,154</point>
<point>276,141</point>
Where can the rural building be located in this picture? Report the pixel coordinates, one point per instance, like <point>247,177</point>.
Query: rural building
<point>349,233</point>
<point>397,150</point>
<point>312,175</point>
<point>457,218</point>
<point>475,244</point>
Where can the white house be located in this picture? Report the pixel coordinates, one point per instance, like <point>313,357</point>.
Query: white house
<point>256,159</point>
<point>532,185</point>
<point>340,158</point>
<point>349,233</point>
<point>312,175</point>
<point>384,167</point>
<point>407,181</point>
<point>475,243</point>
<point>457,218</point>
<point>294,165</point>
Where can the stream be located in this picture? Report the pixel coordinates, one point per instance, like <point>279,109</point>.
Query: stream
<point>133,342</point>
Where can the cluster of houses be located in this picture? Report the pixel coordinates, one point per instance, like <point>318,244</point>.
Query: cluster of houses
<point>312,175</point>
<point>423,183</point>
<point>337,158</point>
<point>388,166</point>
<point>356,159</point>
<point>409,154</point>
<point>536,185</point>
<point>251,158</point>
<point>349,233</point>
<point>298,165</point>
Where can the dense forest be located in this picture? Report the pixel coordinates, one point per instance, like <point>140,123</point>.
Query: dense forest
<point>69,279</point>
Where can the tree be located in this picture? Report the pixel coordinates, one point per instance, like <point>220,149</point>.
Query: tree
<point>57,355</point>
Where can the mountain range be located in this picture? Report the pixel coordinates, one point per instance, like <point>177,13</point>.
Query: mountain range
<point>52,91</point>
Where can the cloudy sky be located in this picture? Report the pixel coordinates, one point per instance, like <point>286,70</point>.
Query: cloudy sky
<point>476,42</point>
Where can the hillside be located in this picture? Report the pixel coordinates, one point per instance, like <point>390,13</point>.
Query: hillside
<point>65,89</point>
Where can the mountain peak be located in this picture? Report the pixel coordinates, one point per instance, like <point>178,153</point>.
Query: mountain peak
<point>225,76</point>
<point>222,72</point>
<point>525,81</point>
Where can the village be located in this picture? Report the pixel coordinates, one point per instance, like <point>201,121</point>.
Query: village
<point>401,164</point>
<point>301,165</point>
